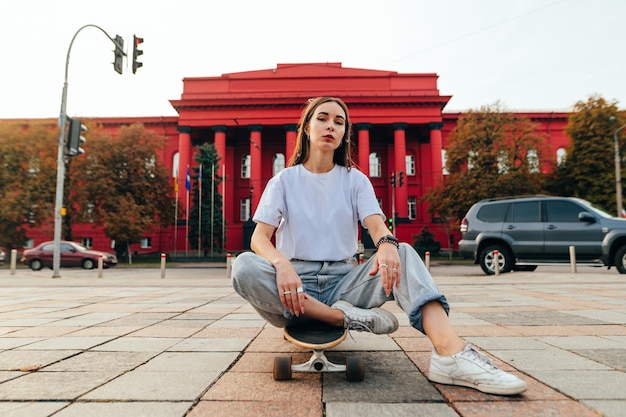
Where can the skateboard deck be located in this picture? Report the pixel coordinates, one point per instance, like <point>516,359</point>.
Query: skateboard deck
<point>317,337</point>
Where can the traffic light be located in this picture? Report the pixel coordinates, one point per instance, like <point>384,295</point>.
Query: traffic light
<point>390,223</point>
<point>393,178</point>
<point>118,62</point>
<point>136,53</point>
<point>400,178</point>
<point>74,138</point>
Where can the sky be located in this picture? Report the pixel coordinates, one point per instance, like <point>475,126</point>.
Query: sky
<point>542,55</point>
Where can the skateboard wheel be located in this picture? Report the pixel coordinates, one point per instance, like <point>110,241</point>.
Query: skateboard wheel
<point>355,368</point>
<point>282,368</point>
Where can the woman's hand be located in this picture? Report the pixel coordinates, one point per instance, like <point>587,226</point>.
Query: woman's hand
<point>387,262</point>
<point>290,289</point>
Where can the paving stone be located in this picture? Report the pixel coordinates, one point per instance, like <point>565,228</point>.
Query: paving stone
<point>28,360</point>
<point>608,408</point>
<point>267,408</point>
<point>135,409</point>
<point>155,386</point>
<point>369,409</point>
<point>30,409</point>
<point>604,385</point>
<point>64,386</point>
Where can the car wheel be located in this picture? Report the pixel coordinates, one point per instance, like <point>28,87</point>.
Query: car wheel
<point>505,259</point>
<point>620,260</point>
<point>89,264</point>
<point>36,264</point>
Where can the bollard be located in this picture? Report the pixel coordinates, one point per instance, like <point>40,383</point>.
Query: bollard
<point>229,260</point>
<point>163,256</point>
<point>496,262</point>
<point>572,258</point>
<point>100,265</point>
<point>13,261</point>
<point>427,260</point>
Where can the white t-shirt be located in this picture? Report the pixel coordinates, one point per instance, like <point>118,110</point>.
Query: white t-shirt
<point>317,214</point>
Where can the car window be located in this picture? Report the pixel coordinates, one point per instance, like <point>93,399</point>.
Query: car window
<point>492,213</point>
<point>48,247</point>
<point>562,211</point>
<point>525,212</point>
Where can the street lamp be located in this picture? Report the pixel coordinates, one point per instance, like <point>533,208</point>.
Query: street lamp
<point>618,170</point>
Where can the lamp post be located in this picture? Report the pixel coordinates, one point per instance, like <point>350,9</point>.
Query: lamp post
<point>618,170</point>
<point>58,202</point>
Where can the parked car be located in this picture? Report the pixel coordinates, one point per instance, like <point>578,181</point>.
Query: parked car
<point>535,230</point>
<point>72,255</point>
<point>3,256</point>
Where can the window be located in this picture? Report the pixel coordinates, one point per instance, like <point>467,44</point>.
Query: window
<point>562,211</point>
<point>533,161</point>
<point>279,163</point>
<point>410,164</point>
<point>525,212</point>
<point>244,211</point>
<point>444,161</point>
<point>245,166</point>
<point>471,159</point>
<point>175,160</point>
<point>146,243</point>
<point>412,208</point>
<point>87,242</point>
<point>374,165</point>
<point>561,156</point>
<point>503,162</point>
<point>493,213</point>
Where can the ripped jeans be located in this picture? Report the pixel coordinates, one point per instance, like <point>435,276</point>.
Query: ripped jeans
<point>254,278</point>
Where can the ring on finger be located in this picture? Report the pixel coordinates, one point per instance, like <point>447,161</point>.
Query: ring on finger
<point>383,266</point>
<point>299,289</point>
<point>394,270</point>
<point>286,292</point>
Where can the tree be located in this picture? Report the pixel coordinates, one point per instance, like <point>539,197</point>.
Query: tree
<point>425,242</point>
<point>589,168</point>
<point>27,179</point>
<point>490,153</point>
<point>121,184</point>
<point>205,218</point>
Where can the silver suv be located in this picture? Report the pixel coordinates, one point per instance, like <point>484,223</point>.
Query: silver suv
<point>535,230</point>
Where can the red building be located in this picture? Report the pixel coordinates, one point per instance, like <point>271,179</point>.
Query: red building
<point>250,117</point>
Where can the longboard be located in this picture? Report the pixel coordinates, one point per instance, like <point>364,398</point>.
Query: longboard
<point>317,337</point>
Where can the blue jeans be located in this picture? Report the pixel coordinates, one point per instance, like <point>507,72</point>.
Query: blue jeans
<point>254,278</point>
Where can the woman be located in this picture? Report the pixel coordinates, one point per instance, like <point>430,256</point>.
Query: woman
<point>314,207</point>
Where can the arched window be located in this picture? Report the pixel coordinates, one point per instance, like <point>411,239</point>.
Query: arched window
<point>175,162</point>
<point>561,156</point>
<point>245,166</point>
<point>279,163</point>
<point>374,165</point>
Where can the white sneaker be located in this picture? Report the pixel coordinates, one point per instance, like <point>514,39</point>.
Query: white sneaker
<point>374,320</point>
<point>473,369</point>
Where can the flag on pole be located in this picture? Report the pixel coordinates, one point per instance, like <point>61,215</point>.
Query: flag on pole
<point>175,184</point>
<point>188,180</point>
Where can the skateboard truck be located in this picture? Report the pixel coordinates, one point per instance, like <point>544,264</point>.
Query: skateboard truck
<point>317,337</point>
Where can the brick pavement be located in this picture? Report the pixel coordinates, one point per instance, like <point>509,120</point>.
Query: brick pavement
<point>134,344</point>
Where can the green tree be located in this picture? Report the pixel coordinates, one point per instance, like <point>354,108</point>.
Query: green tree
<point>490,153</point>
<point>425,242</point>
<point>205,218</point>
<point>589,168</point>
<point>27,179</point>
<point>121,184</point>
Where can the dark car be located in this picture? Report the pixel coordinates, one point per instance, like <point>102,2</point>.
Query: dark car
<point>534,230</point>
<point>72,255</point>
<point>2,256</point>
